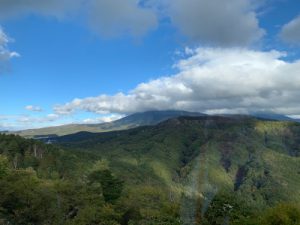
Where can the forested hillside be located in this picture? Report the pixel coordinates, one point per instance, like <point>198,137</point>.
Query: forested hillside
<point>189,170</point>
<point>44,184</point>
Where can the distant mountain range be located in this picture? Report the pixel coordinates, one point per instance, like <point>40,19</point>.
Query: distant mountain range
<point>131,121</point>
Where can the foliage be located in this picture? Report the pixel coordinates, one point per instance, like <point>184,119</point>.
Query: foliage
<point>185,171</point>
<point>111,186</point>
<point>282,214</point>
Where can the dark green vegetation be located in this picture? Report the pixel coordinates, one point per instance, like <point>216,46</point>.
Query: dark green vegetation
<point>43,184</point>
<point>134,120</point>
<point>185,171</point>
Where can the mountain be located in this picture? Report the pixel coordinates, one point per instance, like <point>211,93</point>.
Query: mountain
<point>131,121</point>
<point>134,120</point>
<point>185,170</point>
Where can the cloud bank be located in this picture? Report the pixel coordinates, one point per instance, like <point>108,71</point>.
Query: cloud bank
<point>31,120</point>
<point>210,80</point>
<point>217,22</point>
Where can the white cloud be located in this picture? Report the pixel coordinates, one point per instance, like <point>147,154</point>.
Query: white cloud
<point>33,120</point>
<point>217,22</point>
<point>210,80</point>
<point>6,126</point>
<point>21,122</point>
<point>290,32</point>
<point>5,54</point>
<point>33,108</point>
<point>103,119</point>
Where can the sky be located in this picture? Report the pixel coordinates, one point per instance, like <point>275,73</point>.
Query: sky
<point>94,61</point>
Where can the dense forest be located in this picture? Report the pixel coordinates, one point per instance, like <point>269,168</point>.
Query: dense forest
<point>201,171</point>
<point>43,184</point>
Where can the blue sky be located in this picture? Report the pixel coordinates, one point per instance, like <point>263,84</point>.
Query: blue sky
<point>93,61</point>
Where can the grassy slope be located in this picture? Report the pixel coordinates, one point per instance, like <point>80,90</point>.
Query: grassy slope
<point>202,156</point>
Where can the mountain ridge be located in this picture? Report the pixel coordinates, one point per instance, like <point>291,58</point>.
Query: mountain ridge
<point>131,121</point>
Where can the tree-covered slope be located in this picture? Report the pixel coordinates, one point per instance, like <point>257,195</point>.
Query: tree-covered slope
<point>254,159</point>
<point>188,170</point>
<point>45,184</point>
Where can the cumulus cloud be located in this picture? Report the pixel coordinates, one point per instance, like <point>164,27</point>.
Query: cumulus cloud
<point>290,32</point>
<point>33,108</point>
<point>5,53</point>
<point>224,23</point>
<point>211,80</point>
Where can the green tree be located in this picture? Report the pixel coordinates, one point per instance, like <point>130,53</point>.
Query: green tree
<point>23,199</point>
<point>3,166</point>
<point>111,186</point>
